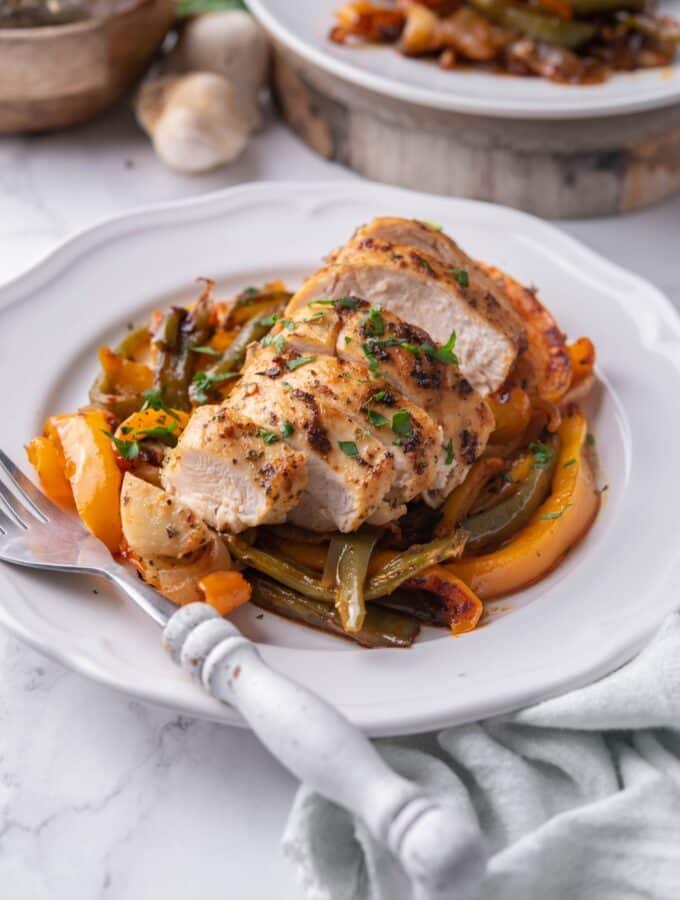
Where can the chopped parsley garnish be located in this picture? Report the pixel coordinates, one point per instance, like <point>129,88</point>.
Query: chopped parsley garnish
<point>590,439</point>
<point>286,429</point>
<point>604,488</point>
<point>340,303</point>
<point>348,339</point>
<point>278,341</point>
<point>450,455</point>
<point>269,437</point>
<point>209,351</point>
<point>349,448</point>
<point>401,423</point>
<point>293,364</point>
<point>319,314</point>
<point>204,383</point>
<point>373,322</point>
<point>549,517</point>
<point>461,277</point>
<point>154,400</point>
<point>443,354</point>
<point>249,291</point>
<point>569,463</point>
<point>433,226</point>
<point>126,449</point>
<point>423,263</point>
<point>289,324</point>
<point>376,418</point>
<point>369,353</point>
<point>541,453</point>
<point>163,433</point>
<point>406,345</point>
<point>378,397</point>
<point>268,321</point>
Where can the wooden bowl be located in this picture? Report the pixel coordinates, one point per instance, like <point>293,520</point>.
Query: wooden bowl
<point>59,75</point>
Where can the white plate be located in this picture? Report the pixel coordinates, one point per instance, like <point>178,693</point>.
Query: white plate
<point>590,615</point>
<point>303,26</point>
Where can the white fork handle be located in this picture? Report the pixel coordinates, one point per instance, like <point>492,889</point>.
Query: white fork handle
<point>438,847</point>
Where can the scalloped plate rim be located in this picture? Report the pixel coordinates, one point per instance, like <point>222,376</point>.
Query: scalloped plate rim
<point>658,310</point>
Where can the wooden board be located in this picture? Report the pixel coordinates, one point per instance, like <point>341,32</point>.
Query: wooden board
<point>555,169</point>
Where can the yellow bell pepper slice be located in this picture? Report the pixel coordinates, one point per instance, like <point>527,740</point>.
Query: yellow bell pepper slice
<point>47,457</point>
<point>92,471</point>
<point>555,527</point>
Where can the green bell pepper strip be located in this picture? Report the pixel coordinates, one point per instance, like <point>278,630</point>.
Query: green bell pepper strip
<point>381,627</point>
<point>385,581</point>
<point>664,32</point>
<point>232,358</point>
<point>179,331</point>
<point>353,552</point>
<point>497,524</point>
<point>540,27</point>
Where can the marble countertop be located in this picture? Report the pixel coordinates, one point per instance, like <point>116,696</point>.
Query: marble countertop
<point>101,797</point>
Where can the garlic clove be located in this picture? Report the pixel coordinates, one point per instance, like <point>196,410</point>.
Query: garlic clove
<point>195,121</point>
<point>229,43</point>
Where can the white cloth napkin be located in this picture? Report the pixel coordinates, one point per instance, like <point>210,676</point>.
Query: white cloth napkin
<point>578,797</point>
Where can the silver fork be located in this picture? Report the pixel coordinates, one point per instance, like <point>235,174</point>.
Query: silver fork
<point>438,847</point>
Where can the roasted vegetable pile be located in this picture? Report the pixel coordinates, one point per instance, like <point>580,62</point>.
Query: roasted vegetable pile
<point>568,41</point>
<point>523,503</point>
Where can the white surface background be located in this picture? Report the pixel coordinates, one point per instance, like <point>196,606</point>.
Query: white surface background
<point>102,798</point>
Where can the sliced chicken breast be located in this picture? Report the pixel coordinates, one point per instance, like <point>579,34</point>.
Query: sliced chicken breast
<point>349,471</point>
<point>230,476</point>
<point>430,294</point>
<point>403,360</point>
<point>431,240</point>
<point>404,429</point>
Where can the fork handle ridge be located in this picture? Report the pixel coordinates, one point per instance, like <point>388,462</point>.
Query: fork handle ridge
<point>438,847</point>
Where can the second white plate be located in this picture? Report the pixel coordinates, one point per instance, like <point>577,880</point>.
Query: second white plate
<point>303,27</point>
<point>589,616</point>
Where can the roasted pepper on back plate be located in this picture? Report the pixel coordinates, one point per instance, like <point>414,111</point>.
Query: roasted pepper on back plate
<point>553,529</point>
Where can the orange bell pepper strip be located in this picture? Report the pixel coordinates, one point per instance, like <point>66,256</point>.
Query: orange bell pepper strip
<point>123,374</point>
<point>137,425</point>
<point>512,412</point>
<point>463,607</point>
<point>92,471</point>
<point>225,591</point>
<point>459,502</point>
<point>47,457</point>
<point>582,356</point>
<point>556,526</point>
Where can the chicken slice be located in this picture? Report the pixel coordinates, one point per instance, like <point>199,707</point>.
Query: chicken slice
<point>374,406</point>
<point>225,471</point>
<point>403,356</point>
<point>434,242</point>
<point>349,471</point>
<point>426,292</point>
